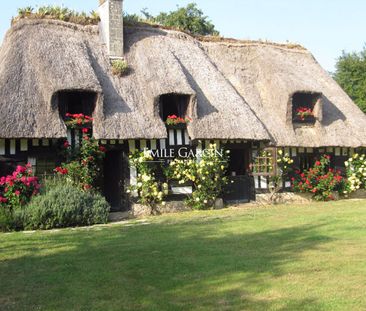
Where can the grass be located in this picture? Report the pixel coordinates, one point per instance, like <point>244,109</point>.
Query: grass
<point>276,258</point>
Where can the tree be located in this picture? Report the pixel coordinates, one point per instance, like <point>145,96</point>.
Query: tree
<point>190,19</point>
<point>351,76</point>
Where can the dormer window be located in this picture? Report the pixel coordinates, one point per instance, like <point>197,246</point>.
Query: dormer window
<point>303,107</point>
<point>174,107</point>
<point>76,102</point>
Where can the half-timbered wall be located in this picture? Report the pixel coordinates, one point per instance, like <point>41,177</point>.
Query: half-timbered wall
<point>15,152</point>
<point>42,153</point>
<point>304,158</point>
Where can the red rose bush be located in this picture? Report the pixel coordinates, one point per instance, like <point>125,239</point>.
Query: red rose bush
<point>320,180</point>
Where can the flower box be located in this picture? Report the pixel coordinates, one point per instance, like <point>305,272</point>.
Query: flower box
<point>78,120</point>
<point>180,126</point>
<point>173,120</point>
<point>304,115</point>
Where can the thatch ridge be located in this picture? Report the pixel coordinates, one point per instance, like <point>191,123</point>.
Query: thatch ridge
<point>215,39</point>
<point>23,22</point>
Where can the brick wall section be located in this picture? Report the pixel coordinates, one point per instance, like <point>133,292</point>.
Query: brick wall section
<point>116,28</point>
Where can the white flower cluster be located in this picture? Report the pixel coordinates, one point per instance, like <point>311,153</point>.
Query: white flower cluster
<point>149,190</point>
<point>284,159</point>
<point>356,172</point>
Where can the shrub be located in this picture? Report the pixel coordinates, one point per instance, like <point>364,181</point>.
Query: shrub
<point>320,180</point>
<point>16,190</point>
<point>119,67</point>
<point>356,172</point>
<point>63,205</point>
<point>6,220</point>
<point>147,186</point>
<point>207,176</point>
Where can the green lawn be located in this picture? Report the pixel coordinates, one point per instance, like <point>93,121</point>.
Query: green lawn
<point>268,258</point>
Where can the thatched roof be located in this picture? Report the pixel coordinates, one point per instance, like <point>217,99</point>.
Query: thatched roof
<point>41,57</point>
<point>267,75</point>
<point>239,90</point>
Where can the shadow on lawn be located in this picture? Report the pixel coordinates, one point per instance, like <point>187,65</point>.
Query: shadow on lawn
<point>156,267</point>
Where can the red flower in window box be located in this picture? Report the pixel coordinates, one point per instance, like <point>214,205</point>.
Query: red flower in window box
<point>174,120</point>
<point>77,119</point>
<point>304,112</point>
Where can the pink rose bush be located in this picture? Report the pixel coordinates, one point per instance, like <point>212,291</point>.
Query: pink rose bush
<point>17,189</point>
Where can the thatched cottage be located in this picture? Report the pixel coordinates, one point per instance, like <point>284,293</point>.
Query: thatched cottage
<point>243,95</point>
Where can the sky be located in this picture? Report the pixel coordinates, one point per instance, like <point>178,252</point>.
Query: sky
<point>325,27</point>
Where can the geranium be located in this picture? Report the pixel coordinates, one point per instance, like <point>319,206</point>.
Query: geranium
<point>174,120</point>
<point>78,119</point>
<point>304,112</point>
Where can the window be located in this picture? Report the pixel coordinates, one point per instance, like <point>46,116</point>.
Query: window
<point>76,102</point>
<point>306,161</point>
<point>44,167</point>
<point>263,163</point>
<point>303,107</point>
<point>173,104</point>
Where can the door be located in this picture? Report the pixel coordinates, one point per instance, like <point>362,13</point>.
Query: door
<point>240,187</point>
<point>113,187</point>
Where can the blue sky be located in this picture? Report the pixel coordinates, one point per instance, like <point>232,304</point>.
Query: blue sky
<point>325,27</point>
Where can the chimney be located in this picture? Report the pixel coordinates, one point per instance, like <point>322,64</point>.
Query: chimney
<point>111,26</point>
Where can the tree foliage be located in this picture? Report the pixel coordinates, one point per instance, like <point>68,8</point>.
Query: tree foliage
<point>190,19</point>
<point>351,76</point>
